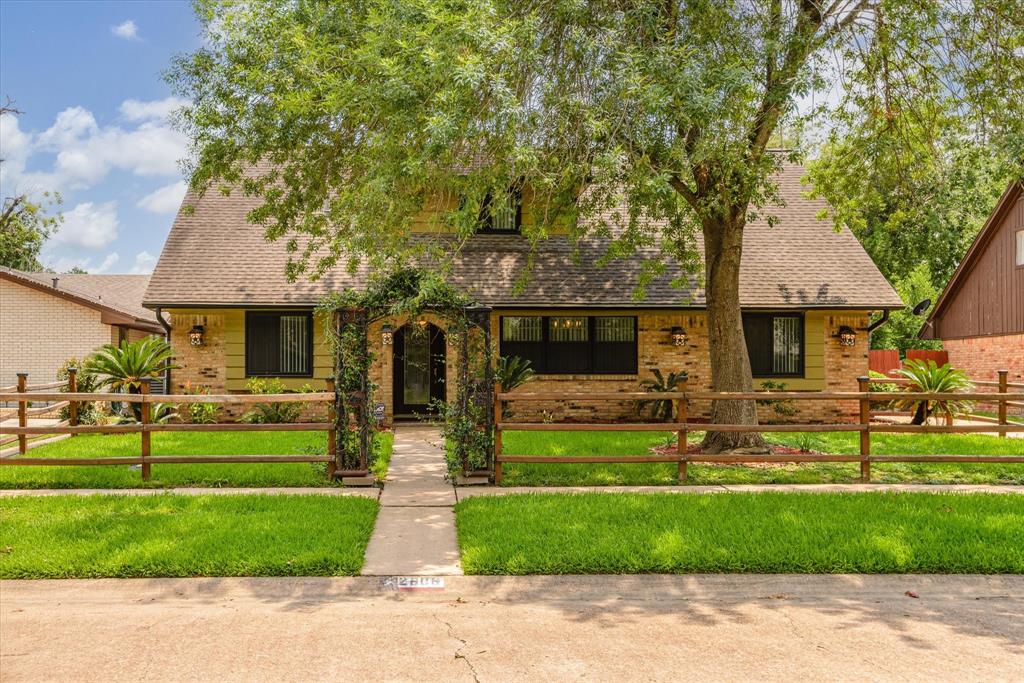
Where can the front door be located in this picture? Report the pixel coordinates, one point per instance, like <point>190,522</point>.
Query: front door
<point>419,369</point>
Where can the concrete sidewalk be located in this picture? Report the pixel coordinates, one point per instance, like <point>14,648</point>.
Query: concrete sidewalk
<point>601,628</point>
<point>415,530</point>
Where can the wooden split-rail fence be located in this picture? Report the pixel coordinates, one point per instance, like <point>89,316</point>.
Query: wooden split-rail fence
<point>24,394</point>
<point>1002,397</point>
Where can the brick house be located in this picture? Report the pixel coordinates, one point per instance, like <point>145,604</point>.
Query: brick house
<point>576,321</point>
<point>47,318</point>
<point>980,314</point>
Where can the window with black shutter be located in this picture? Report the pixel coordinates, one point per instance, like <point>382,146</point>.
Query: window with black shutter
<point>278,344</point>
<point>565,345</point>
<point>775,344</point>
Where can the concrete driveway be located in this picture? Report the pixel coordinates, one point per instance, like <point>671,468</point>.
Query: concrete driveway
<point>652,628</point>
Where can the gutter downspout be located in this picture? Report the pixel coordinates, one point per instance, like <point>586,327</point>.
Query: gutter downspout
<point>871,328</point>
<point>167,330</point>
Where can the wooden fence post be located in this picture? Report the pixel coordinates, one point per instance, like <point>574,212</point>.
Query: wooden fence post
<point>332,433</point>
<point>73,404</point>
<point>681,436</point>
<point>865,435</point>
<point>147,416</point>
<point>497,434</point>
<point>22,412</point>
<point>1003,374</point>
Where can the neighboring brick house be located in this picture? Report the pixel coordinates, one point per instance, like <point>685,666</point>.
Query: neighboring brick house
<point>578,322</point>
<point>47,318</point>
<point>980,315</point>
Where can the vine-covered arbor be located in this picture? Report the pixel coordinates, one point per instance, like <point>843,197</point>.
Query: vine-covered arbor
<point>467,417</point>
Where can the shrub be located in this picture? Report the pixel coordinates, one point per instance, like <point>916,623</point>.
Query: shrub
<point>272,412</point>
<point>783,409</point>
<point>200,413</point>
<point>88,411</point>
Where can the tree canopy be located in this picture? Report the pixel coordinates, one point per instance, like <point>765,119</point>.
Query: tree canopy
<point>364,109</point>
<point>350,118</point>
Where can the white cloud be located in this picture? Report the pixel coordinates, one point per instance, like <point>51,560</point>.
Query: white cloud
<point>136,110</point>
<point>127,30</point>
<point>15,148</point>
<point>64,264</point>
<point>88,225</point>
<point>166,199</point>
<point>70,126</point>
<point>144,262</point>
<point>85,152</point>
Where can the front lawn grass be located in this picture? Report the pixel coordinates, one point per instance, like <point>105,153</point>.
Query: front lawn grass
<point>653,474</point>
<point>612,533</point>
<point>184,443</point>
<point>177,535</point>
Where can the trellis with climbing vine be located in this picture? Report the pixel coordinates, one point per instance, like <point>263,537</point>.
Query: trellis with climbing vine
<point>410,293</point>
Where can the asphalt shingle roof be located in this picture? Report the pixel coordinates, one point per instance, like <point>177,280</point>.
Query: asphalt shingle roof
<point>214,257</point>
<point>119,293</point>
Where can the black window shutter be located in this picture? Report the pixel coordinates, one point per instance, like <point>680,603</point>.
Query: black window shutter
<point>757,329</point>
<point>262,344</point>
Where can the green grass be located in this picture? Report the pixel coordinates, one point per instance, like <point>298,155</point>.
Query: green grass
<point>176,535</point>
<point>183,443</point>
<point>609,533</point>
<point>639,443</point>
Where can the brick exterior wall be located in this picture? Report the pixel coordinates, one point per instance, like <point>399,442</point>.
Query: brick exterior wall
<point>38,332</point>
<point>983,357</point>
<point>830,366</point>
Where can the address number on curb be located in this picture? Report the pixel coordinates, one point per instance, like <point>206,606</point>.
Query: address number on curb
<point>413,583</point>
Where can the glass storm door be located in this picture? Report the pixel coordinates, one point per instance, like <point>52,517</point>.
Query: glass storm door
<point>419,364</point>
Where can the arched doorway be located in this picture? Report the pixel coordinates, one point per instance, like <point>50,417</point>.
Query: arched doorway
<point>418,368</point>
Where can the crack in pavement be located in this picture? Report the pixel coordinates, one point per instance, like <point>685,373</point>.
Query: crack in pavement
<point>458,650</point>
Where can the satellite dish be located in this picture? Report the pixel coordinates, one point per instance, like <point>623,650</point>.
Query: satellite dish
<point>922,306</point>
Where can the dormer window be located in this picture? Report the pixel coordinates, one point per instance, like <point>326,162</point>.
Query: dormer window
<point>502,215</point>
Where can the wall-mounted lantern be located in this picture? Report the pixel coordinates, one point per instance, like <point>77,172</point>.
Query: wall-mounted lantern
<point>678,336</point>
<point>387,335</point>
<point>847,336</point>
<point>195,335</point>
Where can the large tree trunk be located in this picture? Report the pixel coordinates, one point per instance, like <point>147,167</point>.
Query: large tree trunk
<point>730,364</point>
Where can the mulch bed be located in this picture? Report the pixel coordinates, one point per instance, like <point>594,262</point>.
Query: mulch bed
<point>695,449</point>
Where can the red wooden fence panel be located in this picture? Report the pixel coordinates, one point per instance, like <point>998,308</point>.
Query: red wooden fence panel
<point>884,360</point>
<point>940,357</point>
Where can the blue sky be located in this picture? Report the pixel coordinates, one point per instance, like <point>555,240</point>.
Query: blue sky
<point>88,77</point>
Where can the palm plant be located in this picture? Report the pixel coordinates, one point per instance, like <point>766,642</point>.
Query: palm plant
<point>661,408</point>
<point>512,372</point>
<point>126,367</point>
<point>927,376</point>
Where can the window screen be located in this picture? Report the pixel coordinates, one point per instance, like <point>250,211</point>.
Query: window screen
<point>1020,247</point>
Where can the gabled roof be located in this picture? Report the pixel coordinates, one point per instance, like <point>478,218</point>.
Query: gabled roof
<point>117,296</point>
<point>974,252</point>
<point>214,257</point>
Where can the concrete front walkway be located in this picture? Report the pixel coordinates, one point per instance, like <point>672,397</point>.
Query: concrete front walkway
<point>415,531</point>
<point>550,628</point>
